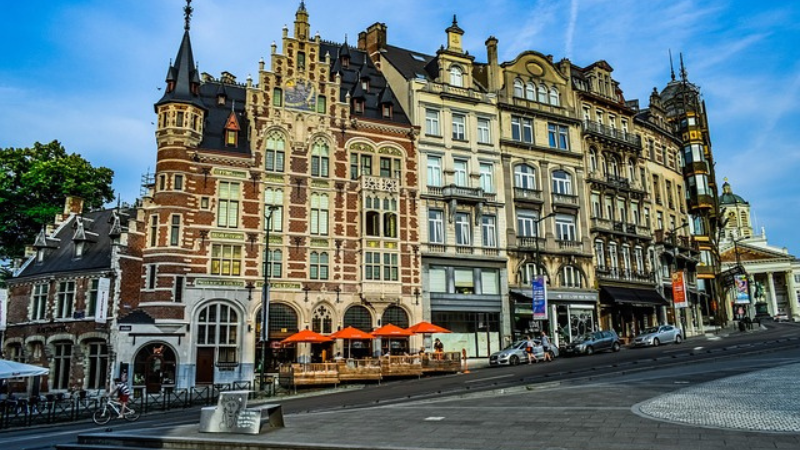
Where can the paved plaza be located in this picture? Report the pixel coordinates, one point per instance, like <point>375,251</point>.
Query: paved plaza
<point>768,400</point>
<point>666,409</point>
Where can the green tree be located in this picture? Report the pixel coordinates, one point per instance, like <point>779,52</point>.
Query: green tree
<point>35,182</point>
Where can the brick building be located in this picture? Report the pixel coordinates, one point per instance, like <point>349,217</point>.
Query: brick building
<point>310,167</point>
<point>81,274</point>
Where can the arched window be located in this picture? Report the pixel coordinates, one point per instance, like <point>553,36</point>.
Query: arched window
<point>529,271</point>
<point>600,254</point>
<point>218,333</point>
<point>631,170</point>
<point>318,268</point>
<point>743,218</point>
<point>555,98</point>
<point>562,183</point>
<point>154,366</point>
<point>372,225</point>
<point>396,316</point>
<point>322,321</point>
<point>542,93</point>
<point>525,177</point>
<point>530,91</point>
<point>358,317</point>
<point>593,160</point>
<point>518,88</point>
<point>319,159</point>
<point>613,166</point>
<point>571,277</point>
<point>62,360</point>
<point>282,319</point>
<point>456,76</point>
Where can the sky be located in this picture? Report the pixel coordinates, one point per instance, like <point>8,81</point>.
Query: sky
<point>87,72</point>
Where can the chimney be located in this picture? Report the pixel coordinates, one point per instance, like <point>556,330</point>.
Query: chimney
<point>73,205</point>
<point>491,57</point>
<point>362,41</point>
<point>375,39</point>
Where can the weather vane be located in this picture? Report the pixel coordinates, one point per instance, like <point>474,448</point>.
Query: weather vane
<point>187,13</point>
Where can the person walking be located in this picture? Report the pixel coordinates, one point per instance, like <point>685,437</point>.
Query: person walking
<point>546,347</point>
<point>529,350</point>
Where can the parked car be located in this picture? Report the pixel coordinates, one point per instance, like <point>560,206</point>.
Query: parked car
<point>515,354</point>
<point>781,317</point>
<point>655,336</point>
<point>590,343</point>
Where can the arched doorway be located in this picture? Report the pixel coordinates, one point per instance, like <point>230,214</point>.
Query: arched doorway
<point>322,322</point>
<point>395,315</point>
<point>359,317</point>
<point>282,324</point>
<point>217,341</point>
<point>154,368</point>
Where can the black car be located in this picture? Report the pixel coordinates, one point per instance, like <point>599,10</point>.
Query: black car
<point>590,343</point>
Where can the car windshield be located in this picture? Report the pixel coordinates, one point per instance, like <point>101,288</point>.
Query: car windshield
<point>650,330</point>
<point>515,345</point>
<point>585,337</point>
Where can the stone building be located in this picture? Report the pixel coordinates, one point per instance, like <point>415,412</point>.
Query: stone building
<point>773,274</point>
<point>80,275</point>
<point>462,200</point>
<point>673,248</point>
<point>547,227</point>
<point>303,179</point>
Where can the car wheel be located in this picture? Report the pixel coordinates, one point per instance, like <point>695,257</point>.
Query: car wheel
<point>615,347</point>
<point>678,339</point>
<point>656,342</point>
<point>589,350</point>
<point>514,360</point>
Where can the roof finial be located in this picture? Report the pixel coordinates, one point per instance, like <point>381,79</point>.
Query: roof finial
<point>302,6</point>
<point>683,69</point>
<point>671,68</point>
<point>187,14</point>
<point>455,22</point>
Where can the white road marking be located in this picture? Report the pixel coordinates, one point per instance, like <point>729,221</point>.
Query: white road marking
<point>434,419</point>
<point>490,378</point>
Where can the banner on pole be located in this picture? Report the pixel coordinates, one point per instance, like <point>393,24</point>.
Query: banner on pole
<point>101,308</point>
<point>742,289</point>
<point>679,290</point>
<point>539,296</point>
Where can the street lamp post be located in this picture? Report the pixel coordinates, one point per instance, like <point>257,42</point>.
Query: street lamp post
<point>265,298</point>
<point>679,319</point>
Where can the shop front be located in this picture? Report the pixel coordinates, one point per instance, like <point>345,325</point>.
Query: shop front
<point>575,314</point>
<point>629,310</point>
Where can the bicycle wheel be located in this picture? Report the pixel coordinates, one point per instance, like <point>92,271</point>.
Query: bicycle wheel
<point>102,415</point>
<point>131,415</point>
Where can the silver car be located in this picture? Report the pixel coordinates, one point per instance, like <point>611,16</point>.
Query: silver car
<point>515,354</point>
<point>655,336</point>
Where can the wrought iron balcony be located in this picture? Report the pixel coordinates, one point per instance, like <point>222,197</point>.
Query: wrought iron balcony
<point>617,274</point>
<point>618,181</point>
<point>612,133</point>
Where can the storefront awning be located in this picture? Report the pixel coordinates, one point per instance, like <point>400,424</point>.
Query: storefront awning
<point>632,296</point>
<point>556,295</point>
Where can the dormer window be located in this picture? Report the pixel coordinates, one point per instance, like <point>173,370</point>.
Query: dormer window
<point>230,138</point>
<point>221,99</point>
<point>358,105</point>
<point>456,76</point>
<point>345,62</point>
<point>386,110</point>
<point>365,84</point>
<point>79,249</point>
<point>232,131</point>
<point>39,255</point>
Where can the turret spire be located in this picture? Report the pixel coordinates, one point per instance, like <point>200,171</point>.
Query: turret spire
<point>671,68</point>
<point>683,69</point>
<point>187,14</point>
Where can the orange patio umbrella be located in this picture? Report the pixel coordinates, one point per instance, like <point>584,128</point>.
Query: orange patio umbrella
<point>391,331</point>
<point>306,336</point>
<point>351,333</point>
<point>427,328</point>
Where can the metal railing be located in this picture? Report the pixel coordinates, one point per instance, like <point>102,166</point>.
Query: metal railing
<point>58,408</point>
<point>613,133</point>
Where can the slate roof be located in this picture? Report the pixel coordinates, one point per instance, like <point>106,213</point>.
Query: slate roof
<point>411,64</point>
<point>217,116</point>
<point>60,252</point>
<point>183,73</point>
<point>361,66</point>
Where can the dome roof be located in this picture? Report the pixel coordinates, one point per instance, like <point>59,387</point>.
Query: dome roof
<point>728,197</point>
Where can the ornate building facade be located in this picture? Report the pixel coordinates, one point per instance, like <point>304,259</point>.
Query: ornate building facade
<point>303,180</point>
<point>461,200</point>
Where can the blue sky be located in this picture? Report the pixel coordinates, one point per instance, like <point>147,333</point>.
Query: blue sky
<point>86,72</point>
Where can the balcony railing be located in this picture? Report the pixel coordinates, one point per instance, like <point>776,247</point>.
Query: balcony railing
<point>527,194</point>
<point>565,199</point>
<point>380,184</point>
<point>618,181</point>
<point>613,133</point>
<point>617,274</point>
<point>568,245</point>
<point>460,193</point>
<point>544,107</point>
<point>446,89</point>
<point>460,249</point>
<point>530,243</point>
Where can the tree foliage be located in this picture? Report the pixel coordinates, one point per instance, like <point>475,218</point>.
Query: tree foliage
<point>35,182</point>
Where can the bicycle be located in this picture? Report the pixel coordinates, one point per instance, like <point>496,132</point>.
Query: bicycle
<point>110,409</point>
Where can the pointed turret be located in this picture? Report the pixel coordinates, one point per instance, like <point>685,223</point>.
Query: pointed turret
<point>183,79</point>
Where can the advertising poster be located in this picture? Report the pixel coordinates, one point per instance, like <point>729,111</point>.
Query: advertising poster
<point>3,308</point>
<point>539,298</point>
<point>742,289</point>
<point>103,289</point>
<point>679,290</point>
